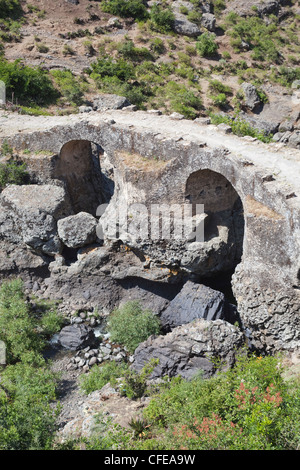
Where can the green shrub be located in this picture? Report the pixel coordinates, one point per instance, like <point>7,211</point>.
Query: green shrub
<point>262,38</point>
<point>157,45</point>
<point>99,376</point>
<point>30,86</point>
<point>10,9</point>
<point>206,45</point>
<point>195,16</point>
<point>23,330</point>
<point>27,414</point>
<point>137,54</point>
<point>219,87</point>
<point>249,407</point>
<point>68,85</point>
<point>219,6</point>
<point>183,100</point>
<point>219,100</point>
<point>13,173</point>
<point>126,8</point>
<point>240,127</point>
<point>10,30</point>
<point>130,325</point>
<point>42,48</point>
<point>162,18</point>
<point>135,383</point>
<point>285,75</point>
<point>107,67</point>
<point>119,77</point>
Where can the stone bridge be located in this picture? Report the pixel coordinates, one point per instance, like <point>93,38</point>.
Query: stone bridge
<point>250,192</point>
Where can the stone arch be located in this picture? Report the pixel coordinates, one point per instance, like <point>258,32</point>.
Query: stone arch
<point>82,165</point>
<point>224,224</point>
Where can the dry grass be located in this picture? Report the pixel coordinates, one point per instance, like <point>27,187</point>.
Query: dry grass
<point>138,162</point>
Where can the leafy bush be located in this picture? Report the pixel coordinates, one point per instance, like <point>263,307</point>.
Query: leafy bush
<point>240,127</point>
<point>119,77</point>
<point>137,54</point>
<point>135,383</point>
<point>219,87</point>
<point>285,75</point>
<point>219,100</point>
<point>69,86</point>
<point>247,408</point>
<point>10,30</point>
<point>12,173</point>
<point>206,45</point>
<point>31,86</point>
<point>183,100</point>
<point>27,416</point>
<point>130,325</point>
<point>162,18</point>
<point>27,386</point>
<point>107,67</point>
<point>219,6</point>
<point>21,329</point>
<point>99,376</point>
<point>264,39</point>
<point>126,8</point>
<point>10,9</point>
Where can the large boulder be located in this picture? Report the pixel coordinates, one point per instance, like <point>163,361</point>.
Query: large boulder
<point>181,24</point>
<point>252,100</point>
<point>208,21</point>
<point>29,214</point>
<point>109,101</point>
<point>190,349</point>
<point>257,122</point>
<point>185,27</point>
<point>196,301</point>
<point>77,230</point>
<point>77,336</point>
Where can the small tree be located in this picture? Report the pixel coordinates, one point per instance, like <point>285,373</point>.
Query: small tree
<point>162,18</point>
<point>206,45</point>
<point>130,325</point>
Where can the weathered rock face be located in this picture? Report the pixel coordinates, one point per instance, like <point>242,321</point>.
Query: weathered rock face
<point>92,282</point>
<point>196,301</point>
<point>252,99</point>
<point>266,7</point>
<point>208,21</point>
<point>189,349</point>
<point>185,27</point>
<point>109,101</point>
<point>77,230</point>
<point>30,213</point>
<point>153,158</point>
<point>76,337</point>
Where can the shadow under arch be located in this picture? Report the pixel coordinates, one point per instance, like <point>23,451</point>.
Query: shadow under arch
<point>224,225</point>
<point>82,166</point>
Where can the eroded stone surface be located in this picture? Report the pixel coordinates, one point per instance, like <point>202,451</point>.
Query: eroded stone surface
<point>152,157</point>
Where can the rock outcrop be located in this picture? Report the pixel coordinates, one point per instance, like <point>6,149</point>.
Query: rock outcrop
<point>251,213</point>
<point>196,301</point>
<point>190,349</point>
<point>29,214</point>
<point>76,231</point>
<point>76,337</point>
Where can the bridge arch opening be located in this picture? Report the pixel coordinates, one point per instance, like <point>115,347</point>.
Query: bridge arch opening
<point>223,227</point>
<point>87,174</point>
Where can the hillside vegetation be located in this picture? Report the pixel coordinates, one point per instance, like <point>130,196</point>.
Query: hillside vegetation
<point>250,407</point>
<point>188,57</point>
